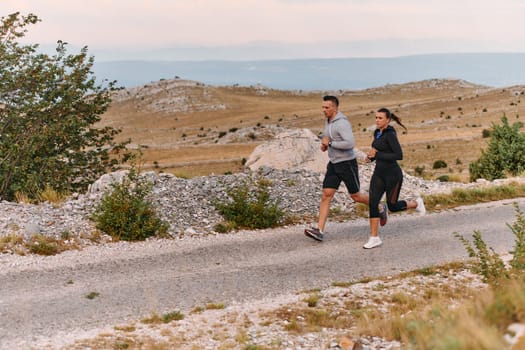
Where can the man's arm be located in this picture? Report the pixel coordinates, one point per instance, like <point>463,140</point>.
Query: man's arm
<point>344,129</point>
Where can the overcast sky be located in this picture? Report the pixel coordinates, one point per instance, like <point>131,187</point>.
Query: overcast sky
<point>474,25</point>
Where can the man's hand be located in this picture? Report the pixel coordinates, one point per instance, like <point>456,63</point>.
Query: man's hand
<point>324,143</point>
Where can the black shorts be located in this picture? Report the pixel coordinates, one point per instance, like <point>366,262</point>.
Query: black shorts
<point>346,172</point>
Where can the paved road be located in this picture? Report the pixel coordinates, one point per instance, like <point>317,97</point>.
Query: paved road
<point>42,302</point>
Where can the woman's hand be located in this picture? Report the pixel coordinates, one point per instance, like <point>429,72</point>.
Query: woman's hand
<point>370,155</point>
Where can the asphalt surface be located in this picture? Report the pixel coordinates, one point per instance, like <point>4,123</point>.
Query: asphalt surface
<point>43,302</point>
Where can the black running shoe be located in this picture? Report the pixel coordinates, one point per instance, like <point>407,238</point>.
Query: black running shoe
<point>383,215</point>
<point>314,233</point>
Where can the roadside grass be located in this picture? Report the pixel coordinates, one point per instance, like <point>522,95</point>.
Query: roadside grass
<point>437,307</point>
<point>164,318</point>
<point>442,201</point>
<point>476,195</point>
<point>40,244</point>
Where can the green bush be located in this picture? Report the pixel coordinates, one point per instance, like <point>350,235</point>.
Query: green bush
<point>488,263</point>
<point>518,229</point>
<point>251,207</point>
<point>443,178</point>
<point>439,164</point>
<point>419,170</point>
<point>126,214</point>
<point>505,153</point>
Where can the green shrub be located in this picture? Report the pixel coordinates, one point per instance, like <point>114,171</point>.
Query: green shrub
<point>43,245</point>
<point>443,178</point>
<point>505,153</point>
<point>419,170</point>
<point>251,207</point>
<point>224,227</point>
<point>518,229</point>
<point>172,316</point>
<point>126,214</point>
<point>488,264</point>
<point>439,164</point>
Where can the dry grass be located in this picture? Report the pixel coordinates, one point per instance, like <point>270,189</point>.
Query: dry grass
<point>445,121</point>
<point>40,244</point>
<point>52,196</point>
<point>441,307</point>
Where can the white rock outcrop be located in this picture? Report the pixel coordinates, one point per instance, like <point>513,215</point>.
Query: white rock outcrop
<point>291,149</point>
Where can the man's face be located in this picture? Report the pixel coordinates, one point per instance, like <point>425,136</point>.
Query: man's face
<point>329,109</point>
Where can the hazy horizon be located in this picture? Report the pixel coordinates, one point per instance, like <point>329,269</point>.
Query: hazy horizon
<point>490,69</point>
<point>274,29</point>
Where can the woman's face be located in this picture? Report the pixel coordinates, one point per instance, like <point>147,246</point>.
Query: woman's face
<point>381,120</point>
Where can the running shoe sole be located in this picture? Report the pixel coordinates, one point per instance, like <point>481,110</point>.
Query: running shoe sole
<point>311,234</point>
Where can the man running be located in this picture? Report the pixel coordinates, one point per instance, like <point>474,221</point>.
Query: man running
<point>338,139</point>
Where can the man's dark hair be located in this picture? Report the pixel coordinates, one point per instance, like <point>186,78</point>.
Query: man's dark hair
<point>334,99</point>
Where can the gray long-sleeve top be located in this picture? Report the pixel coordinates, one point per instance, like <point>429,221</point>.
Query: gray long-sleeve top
<point>340,132</point>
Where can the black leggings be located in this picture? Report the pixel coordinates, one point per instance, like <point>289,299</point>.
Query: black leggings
<point>389,181</point>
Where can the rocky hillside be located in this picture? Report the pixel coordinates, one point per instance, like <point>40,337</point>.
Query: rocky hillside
<point>292,163</point>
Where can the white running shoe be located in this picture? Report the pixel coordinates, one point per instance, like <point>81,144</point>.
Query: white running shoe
<point>373,242</point>
<point>420,206</point>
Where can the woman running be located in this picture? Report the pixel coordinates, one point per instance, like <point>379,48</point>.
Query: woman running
<point>387,177</point>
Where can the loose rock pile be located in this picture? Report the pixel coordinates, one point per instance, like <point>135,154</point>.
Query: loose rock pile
<point>188,204</point>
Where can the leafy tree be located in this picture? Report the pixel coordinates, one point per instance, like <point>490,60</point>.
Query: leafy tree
<point>48,107</point>
<point>505,153</point>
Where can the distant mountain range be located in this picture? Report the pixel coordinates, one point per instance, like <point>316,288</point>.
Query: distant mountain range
<point>492,69</point>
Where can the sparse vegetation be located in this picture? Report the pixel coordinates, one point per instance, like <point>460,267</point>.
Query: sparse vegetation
<point>214,306</point>
<point>165,318</point>
<point>52,196</point>
<point>125,213</point>
<point>250,206</point>
<point>505,153</point>
<point>488,263</point>
<point>92,295</point>
<point>474,195</point>
<point>42,245</point>
<point>312,299</point>
<point>439,164</point>
<point>419,170</point>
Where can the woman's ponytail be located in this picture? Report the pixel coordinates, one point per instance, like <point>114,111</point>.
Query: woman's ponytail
<point>392,116</point>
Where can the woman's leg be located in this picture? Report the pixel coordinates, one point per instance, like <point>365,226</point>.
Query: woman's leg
<point>377,188</point>
<point>394,181</point>
<point>393,188</point>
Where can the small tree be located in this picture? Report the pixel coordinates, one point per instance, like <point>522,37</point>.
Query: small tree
<point>251,206</point>
<point>125,213</point>
<point>48,107</point>
<point>505,153</point>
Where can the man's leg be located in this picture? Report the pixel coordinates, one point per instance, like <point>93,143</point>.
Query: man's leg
<point>324,207</point>
<point>360,197</point>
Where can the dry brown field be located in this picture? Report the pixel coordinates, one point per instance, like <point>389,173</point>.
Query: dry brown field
<point>192,129</point>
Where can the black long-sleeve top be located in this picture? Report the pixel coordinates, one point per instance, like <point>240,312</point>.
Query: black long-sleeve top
<point>388,148</point>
